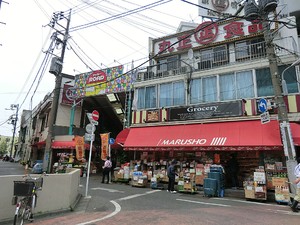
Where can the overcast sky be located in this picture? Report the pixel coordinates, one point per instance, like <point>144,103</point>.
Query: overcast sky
<point>25,36</point>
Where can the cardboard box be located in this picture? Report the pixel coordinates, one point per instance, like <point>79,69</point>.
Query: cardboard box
<point>249,193</point>
<point>187,186</point>
<point>279,181</point>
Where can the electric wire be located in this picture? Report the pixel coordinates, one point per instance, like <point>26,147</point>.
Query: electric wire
<point>142,8</point>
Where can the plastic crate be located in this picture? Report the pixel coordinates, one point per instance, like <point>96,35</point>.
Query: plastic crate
<point>37,182</point>
<point>23,188</point>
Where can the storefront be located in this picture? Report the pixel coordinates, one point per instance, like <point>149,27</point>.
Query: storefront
<point>67,152</point>
<point>197,146</point>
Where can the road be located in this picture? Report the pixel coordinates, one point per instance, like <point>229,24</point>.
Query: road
<point>121,204</point>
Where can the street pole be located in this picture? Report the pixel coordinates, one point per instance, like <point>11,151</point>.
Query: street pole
<point>288,145</point>
<point>53,113</point>
<point>15,120</point>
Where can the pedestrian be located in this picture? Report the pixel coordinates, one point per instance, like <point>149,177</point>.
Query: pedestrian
<point>297,182</point>
<point>171,175</point>
<point>106,169</point>
<point>233,169</point>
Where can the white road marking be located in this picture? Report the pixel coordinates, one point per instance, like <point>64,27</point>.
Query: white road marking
<point>137,195</point>
<point>248,202</point>
<point>117,206</point>
<point>107,189</point>
<point>203,203</point>
<point>117,210</point>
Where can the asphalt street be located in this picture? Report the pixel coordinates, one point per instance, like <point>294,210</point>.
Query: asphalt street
<point>120,203</point>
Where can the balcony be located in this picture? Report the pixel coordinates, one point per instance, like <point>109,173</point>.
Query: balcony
<point>219,57</point>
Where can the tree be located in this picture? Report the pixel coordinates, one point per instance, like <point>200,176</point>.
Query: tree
<point>3,147</point>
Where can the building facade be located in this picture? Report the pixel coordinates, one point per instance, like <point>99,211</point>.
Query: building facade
<point>200,99</point>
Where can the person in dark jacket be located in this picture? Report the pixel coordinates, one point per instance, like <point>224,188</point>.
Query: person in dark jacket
<point>233,169</point>
<point>106,169</point>
<point>171,175</point>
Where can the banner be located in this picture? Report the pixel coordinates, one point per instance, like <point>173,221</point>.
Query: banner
<point>104,145</point>
<point>79,145</point>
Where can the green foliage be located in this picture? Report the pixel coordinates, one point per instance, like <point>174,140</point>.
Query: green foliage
<point>3,147</point>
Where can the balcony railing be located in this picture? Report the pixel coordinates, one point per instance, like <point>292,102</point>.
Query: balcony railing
<point>215,59</point>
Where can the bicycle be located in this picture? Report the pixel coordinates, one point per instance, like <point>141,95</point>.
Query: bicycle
<point>27,190</point>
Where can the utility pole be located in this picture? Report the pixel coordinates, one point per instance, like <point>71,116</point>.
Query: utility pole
<point>14,120</point>
<point>56,69</point>
<point>285,129</point>
<point>254,11</point>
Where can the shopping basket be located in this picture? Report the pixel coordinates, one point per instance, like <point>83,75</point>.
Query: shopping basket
<point>38,182</point>
<point>23,188</point>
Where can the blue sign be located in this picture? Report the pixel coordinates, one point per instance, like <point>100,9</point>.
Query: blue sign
<point>262,105</point>
<point>111,141</point>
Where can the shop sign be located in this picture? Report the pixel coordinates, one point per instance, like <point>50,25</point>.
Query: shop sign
<point>79,145</point>
<point>104,145</point>
<point>69,95</point>
<point>205,111</point>
<point>152,116</point>
<point>208,33</point>
<point>217,8</point>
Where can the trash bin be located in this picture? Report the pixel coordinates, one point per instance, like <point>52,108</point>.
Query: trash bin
<point>210,187</point>
<point>219,176</point>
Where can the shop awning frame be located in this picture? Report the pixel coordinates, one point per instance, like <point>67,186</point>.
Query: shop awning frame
<point>221,136</point>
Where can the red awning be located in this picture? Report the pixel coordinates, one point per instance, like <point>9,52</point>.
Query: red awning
<point>242,135</point>
<point>120,139</point>
<point>295,129</point>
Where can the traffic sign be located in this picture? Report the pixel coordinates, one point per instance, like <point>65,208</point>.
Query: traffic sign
<point>265,117</point>
<point>94,122</point>
<point>95,115</point>
<point>89,137</point>
<point>90,128</point>
<point>89,116</point>
<point>111,141</point>
<point>262,105</point>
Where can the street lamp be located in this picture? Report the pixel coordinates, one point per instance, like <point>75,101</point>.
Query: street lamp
<point>283,82</point>
<point>260,11</point>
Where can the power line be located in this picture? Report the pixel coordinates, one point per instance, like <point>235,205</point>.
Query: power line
<point>142,8</point>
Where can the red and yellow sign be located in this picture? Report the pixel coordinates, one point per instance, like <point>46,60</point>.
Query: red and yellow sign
<point>104,145</point>
<point>79,143</point>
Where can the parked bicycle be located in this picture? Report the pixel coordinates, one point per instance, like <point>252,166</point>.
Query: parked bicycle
<point>25,197</point>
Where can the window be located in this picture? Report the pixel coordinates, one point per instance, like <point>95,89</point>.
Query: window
<point>171,94</point>
<point>150,97</point>
<point>264,82</point>
<point>204,90</point>
<point>165,95</point>
<point>167,64</point>
<point>227,87</point>
<point>290,78</point>
<point>209,87</point>
<point>255,48</point>
<point>196,96</point>
<point>220,54</point>
<point>244,85</point>
<point>206,58</point>
<point>146,97</point>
